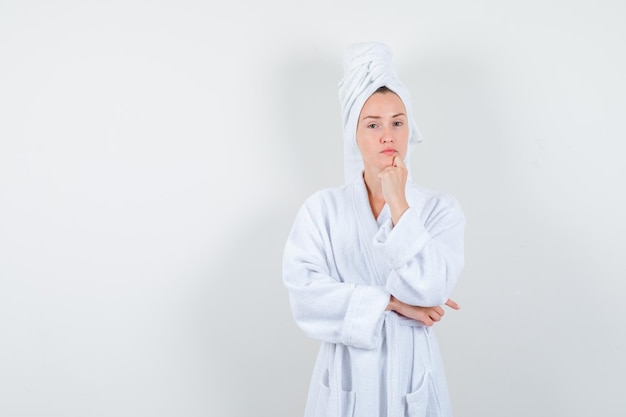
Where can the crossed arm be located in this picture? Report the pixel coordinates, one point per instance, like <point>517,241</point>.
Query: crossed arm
<point>392,181</point>
<point>426,315</point>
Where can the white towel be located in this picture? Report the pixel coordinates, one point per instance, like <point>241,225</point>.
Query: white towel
<point>367,67</point>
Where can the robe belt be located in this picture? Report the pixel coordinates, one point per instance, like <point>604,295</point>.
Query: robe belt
<point>394,405</point>
<point>404,321</point>
<point>335,400</point>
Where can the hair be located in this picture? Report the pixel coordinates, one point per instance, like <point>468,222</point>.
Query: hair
<point>384,89</point>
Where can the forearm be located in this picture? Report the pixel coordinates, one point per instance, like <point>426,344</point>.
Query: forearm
<point>397,209</point>
<point>426,315</point>
<point>339,312</point>
<point>425,264</point>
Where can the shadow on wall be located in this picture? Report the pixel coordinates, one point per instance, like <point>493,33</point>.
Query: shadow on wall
<point>256,356</point>
<point>487,136</point>
<point>258,359</point>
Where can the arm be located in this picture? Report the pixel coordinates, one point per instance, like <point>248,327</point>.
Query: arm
<point>323,307</point>
<point>425,256</point>
<point>426,315</point>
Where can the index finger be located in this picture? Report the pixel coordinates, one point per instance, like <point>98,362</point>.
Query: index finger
<point>398,162</point>
<point>452,304</point>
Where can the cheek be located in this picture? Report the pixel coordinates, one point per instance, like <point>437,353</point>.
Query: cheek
<point>359,142</point>
<point>403,146</point>
<point>405,139</point>
<point>363,142</point>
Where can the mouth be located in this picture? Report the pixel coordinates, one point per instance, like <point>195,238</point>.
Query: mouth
<point>389,152</point>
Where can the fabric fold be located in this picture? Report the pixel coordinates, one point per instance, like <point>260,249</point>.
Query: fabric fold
<point>363,319</point>
<point>401,243</point>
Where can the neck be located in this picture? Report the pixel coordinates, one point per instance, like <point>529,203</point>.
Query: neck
<point>374,192</point>
<point>374,187</point>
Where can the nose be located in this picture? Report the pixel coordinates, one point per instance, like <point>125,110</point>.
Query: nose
<point>387,137</point>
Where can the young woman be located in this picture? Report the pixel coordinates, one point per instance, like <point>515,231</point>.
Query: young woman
<point>368,266</point>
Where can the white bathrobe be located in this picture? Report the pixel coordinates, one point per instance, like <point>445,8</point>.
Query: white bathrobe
<point>340,266</point>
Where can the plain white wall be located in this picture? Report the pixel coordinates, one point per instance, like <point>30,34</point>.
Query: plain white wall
<point>153,155</point>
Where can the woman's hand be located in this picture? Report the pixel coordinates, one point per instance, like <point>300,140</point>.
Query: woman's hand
<point>426,315</point>
<point>393,183</point>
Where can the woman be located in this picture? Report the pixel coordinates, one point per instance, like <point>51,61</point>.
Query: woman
<point>369,265</point>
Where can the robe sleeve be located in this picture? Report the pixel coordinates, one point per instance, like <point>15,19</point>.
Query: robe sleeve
<point>325,308</point>
<point>425,256</point>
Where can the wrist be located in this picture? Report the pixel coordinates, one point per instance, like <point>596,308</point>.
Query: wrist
<point>397,210</point>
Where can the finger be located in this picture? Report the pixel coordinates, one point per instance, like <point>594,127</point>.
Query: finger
<point>424,316</point>
<point>398,162</point>
<point>452,304</point>
<point>434,316</point>
<point>436,313</point>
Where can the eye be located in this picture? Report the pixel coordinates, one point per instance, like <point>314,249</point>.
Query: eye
<point>372,126</point>
<point>398,123</point>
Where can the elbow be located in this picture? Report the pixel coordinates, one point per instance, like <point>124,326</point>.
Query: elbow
<point>433,298</point>
<point>438,292</point>
<point>438,299</point>
<point>305,324</point>
<point>425,295</point>
<point>308,322</point>
<point>301,318</point>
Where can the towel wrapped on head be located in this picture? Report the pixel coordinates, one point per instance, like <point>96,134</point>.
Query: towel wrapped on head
<point>367,67</point>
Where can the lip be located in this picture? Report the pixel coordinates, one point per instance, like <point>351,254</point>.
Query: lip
<point>388,151</point>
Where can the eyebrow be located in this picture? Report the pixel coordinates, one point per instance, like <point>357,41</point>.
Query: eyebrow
<point>380,117</point>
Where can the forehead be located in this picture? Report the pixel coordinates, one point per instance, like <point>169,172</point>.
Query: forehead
<point>382,104</point>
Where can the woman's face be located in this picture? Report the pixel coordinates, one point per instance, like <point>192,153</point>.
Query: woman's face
<point>382,130</point>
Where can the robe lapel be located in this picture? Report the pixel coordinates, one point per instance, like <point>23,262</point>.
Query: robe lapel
<point>368,227</point>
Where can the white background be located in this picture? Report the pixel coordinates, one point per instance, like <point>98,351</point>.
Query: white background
<point>153,155</point>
